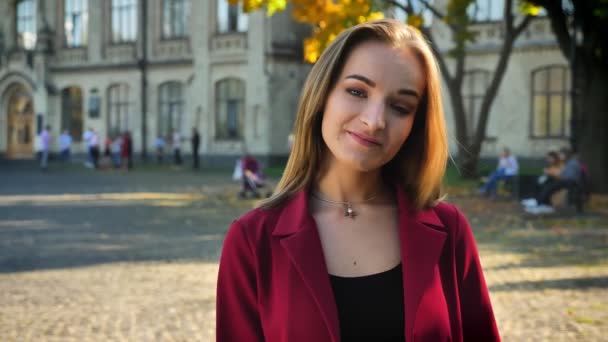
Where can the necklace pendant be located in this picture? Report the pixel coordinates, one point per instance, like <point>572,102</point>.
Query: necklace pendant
<point>348,211</point>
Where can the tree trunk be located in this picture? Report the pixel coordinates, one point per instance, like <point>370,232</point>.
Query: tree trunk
<point>591,123</point>
<point>467,161</point>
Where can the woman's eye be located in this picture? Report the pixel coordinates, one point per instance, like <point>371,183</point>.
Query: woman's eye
<point>355,92</point>
<point>401,109</point>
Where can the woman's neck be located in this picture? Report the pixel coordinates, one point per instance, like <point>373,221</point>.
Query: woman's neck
<point>343,184</point>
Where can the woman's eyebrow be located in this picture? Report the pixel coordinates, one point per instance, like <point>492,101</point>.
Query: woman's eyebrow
<point>362,79</point>
<point>407,92</point>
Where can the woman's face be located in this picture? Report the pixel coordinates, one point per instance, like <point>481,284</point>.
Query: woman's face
<point>370,111</point>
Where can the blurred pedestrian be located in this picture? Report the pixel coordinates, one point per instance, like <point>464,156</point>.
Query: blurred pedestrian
<point>195,140</point>
<point>126,151</point>
<point>176,143</point>
<point>159,146</point>
<point>94,148</point>
<point>65,145</point>
<point>86,139</point>
<point>45,141</point>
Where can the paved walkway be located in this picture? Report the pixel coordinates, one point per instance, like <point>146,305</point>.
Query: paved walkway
<point>87,256</point>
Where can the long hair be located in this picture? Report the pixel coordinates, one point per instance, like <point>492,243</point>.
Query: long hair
<point>419,165</point>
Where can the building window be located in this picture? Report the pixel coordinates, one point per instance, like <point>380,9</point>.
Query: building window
<point>124,21</point>
<point>119,108</point>
<point>486,10</point>
<point>176,14</point>
<point>230,108</point>
<point>71,112</point>
<point>230,18</point>
<point>474,86</point>
<point>550,102</point>
<point>26,23</point>
<point>76,22</point>
<point>171,108</point>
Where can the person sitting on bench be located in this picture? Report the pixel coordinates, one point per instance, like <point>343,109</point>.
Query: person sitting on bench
<point>569,178</point>
<point>507,168</point>
<point>252,176</point>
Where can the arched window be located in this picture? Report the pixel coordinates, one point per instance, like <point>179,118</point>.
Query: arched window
<point>26,23</point>
<point>230,18</point>
<point>71,111</point>
<point>171,107</point>
<point>474,86</point>
<point>76,22</point>
<point>176,15</point>
<point>550,116</point>
<point>119,108</point>
<point>230,108</point>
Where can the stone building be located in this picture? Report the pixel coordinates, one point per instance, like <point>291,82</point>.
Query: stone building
<point>148,67</point>
<point>75,64</point>
<point>532,110</point>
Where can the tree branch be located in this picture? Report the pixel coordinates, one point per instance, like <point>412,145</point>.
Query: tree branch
<point>508,13</point>
<point>501,68</point>
<point>443,66</point>
<point>401,6</point>
<point>559,24</point>
<point>433,9</point>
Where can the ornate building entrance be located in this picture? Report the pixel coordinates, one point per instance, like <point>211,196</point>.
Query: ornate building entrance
<point>20,128</point>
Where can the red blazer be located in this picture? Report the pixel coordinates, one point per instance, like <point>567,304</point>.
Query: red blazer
<point>273,283</point>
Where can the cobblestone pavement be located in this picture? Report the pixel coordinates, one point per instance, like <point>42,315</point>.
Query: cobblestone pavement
<point>114,257</point>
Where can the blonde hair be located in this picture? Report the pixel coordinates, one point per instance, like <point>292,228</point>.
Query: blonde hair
<point>419,165</point>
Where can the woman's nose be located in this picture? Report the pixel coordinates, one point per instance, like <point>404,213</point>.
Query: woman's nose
<point>373,116</point>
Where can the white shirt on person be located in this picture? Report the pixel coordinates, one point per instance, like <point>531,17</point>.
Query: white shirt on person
<point>65,141</point>
<point>93,140</point>
<point>177,140</point>
<point>509,164</point>
<point>86,136</point>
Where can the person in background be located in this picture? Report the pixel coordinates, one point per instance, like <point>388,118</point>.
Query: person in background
<point>176,142</point>
<point>507,167</point>
<point>94,148</point>
<point>195,140</point>
<point>252,176</point>
<point>569,178</point>
<point>553,168</point>
<point>65,145</point>
<point>86,138</point>
<point>356,243</point>
<point>159,146</point>
<point>45,141</point>
<point>126,151</point>
<point>116,148</point>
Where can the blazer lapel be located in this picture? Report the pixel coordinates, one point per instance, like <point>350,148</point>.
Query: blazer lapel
<point>421,247</point>
<point>301,241</point>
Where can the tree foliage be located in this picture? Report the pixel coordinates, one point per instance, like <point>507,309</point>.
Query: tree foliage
<point>328,18</point>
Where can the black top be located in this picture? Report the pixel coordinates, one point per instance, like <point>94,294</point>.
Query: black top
<point>370,308</point>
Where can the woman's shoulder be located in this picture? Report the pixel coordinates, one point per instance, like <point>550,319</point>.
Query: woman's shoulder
<point>451,216</point>
<point>256,224</point>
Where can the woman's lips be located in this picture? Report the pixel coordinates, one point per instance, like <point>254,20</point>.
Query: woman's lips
<point>364,140</point>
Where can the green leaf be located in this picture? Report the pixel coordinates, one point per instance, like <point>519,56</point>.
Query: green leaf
<point>528,8</point>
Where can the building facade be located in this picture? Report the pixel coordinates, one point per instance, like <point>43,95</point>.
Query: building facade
<point>152,66</point>
<point>532,110</point>
<point>149,67</point>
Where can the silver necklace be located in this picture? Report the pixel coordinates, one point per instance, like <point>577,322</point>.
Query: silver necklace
<point>347,206</point>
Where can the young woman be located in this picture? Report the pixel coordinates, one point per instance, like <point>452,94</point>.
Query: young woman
<point>355,243</point>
